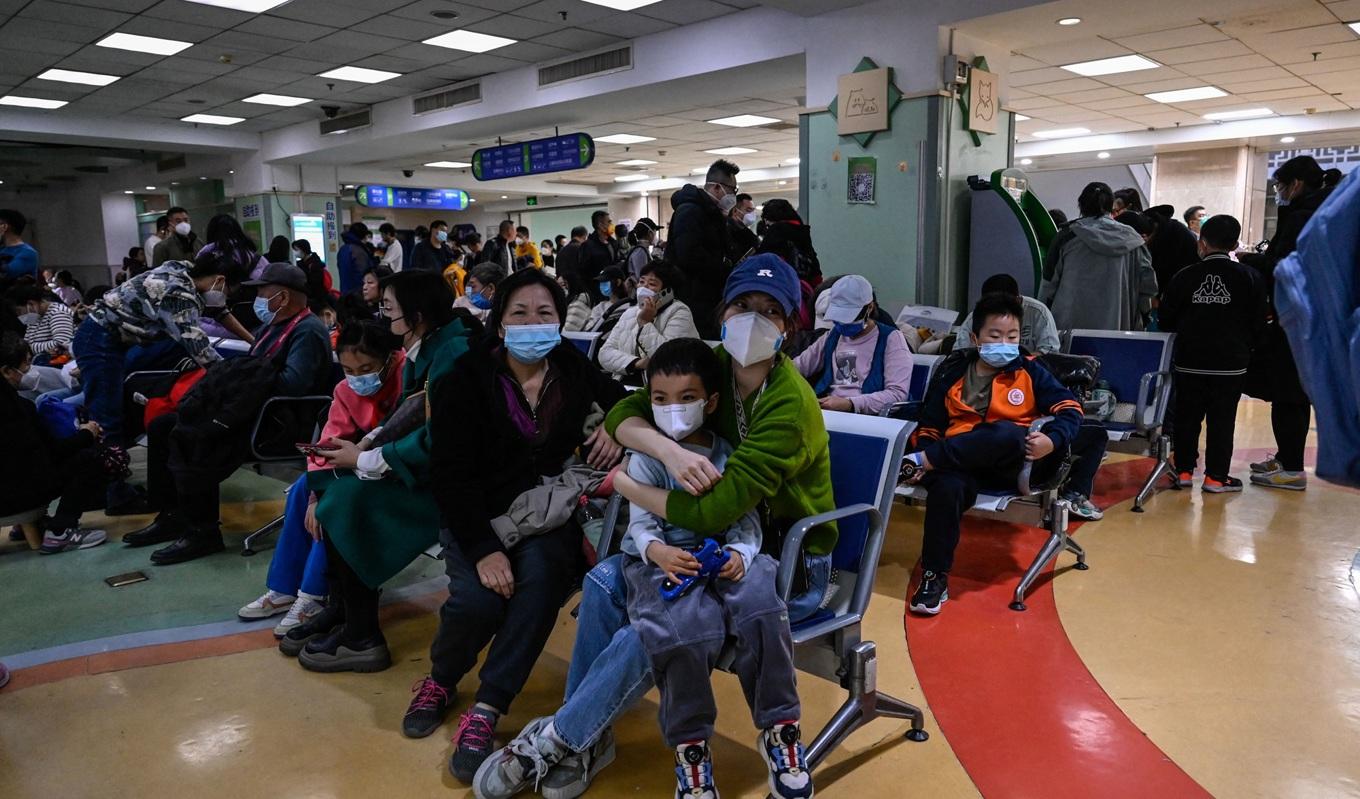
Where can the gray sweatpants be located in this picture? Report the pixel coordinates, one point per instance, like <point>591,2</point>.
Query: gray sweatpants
<point>684,638</point>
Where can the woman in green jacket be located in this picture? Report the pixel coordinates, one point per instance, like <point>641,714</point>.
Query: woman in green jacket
<point>375,507</point>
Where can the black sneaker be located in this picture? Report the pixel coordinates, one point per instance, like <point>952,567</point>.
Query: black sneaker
<point>323,623</point>
<point>931,594</point>
<point>333,653</point>
<point>473,743</point>
<point>427,709</point>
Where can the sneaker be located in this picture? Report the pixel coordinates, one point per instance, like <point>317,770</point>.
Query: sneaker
<point>303,609</point>
<point>331,654</point>
<point>521,765</point>
<point>572,776</point>
<point>472,743</point>
<point>271,603</point>
<point>1270,465</point>
<point>694,771</point>
<point>426,712</point>
<point>71,538</point>
<point>4,675</point>
<point>782,748</point>
<point>1289,481</point>
<point>1083,508</point>
<point>1185,479</point>
<point>931,594</point>
<point>1226,485</point>
<point>323,623</point>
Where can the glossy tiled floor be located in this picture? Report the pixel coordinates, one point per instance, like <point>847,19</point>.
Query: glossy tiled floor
<point>1223,627</point>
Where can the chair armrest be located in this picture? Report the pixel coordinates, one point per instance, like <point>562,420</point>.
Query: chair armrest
<point>1023,481</point>
<point>610,521</point>
<point>1153,389</point>
<point>909,410</point>
<point>321,400</point>
<point>793,540</point>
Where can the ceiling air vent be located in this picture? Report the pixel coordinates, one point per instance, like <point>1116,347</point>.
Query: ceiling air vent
<point>171,164</point>
<point>589,66</point>
<point>446,98</point>
<point>346,123</point>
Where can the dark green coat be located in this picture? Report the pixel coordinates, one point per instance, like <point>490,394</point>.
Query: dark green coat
<point>379,526</point>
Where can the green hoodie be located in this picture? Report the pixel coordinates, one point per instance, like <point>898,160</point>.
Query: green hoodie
<point>784,460</point>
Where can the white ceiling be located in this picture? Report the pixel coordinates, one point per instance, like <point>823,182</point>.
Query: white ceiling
<point>1291,57</point>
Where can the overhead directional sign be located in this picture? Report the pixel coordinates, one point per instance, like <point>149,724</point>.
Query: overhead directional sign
<point>537,157</point>
<point>407,197</point>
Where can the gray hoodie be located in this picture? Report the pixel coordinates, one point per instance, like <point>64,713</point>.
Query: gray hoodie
<point>1098,276</point>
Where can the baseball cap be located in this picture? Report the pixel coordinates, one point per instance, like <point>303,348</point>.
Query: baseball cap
<point>849,295</point>
<point>647,222</point>
<point>766,273</point>
<point>611,272</point>
<point>285,275</point>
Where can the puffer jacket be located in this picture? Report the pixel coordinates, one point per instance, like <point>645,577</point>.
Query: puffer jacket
<point>629,341</point>
<point>1098,276</point>
<point>698,245</point>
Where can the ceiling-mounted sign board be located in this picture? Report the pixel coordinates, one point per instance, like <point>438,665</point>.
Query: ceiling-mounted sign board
<point>537,157</point>
<point>864,102</point>
<point>407,197</point>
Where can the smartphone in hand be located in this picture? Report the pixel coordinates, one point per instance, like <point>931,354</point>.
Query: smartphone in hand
<point>315,449</point>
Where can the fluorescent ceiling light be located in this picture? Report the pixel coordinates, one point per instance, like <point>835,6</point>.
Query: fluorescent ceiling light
<point>743,121</point>
<point>1287,140</point>
<point>1112,66</point>
<point>1102,156</point>
<point>143,44</point>
<point>1059,133</point>
<point>360,74</point>
<point>636,162</point>
<point>277,99</point>
<point>1066,21</point>
<point>731,151</point>
<point>793,161</point>
<point>1241,113</point>
<point>74,76</point>
<point>469,41</point>
<point>622,5</point>
<point>1187,95</point>
<point>1026,161</point>
<point>1022,118</point>
<point>248,6</point>
<point>449,164</point>
<point>624,138</point>
<point>1355,26</point>
<point>127,191</point>
<point>31,102</point>
<point>472,199</point>
<point>150,188</point>
<point>631,178</point>
<point>212,119</point>
<point>783,183</point>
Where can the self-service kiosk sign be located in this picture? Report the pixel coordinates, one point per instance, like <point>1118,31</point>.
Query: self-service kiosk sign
<point>407,197</point>
<point>537,157</point>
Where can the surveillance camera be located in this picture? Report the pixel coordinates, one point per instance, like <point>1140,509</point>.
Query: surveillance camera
<point>408,173</point>
<point>331,111</point>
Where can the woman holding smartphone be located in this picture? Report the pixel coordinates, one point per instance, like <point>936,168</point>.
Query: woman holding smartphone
<point>657,317</point>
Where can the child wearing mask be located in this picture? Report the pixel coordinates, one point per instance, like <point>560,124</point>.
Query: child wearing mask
<point>861,365</point>
<point>479,291</point>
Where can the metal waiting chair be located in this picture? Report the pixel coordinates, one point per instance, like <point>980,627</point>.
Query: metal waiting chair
<point>1137,368</point>
<point>587,343</point>
<point>922,369</point>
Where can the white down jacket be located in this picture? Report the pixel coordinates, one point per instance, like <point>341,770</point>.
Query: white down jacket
<point>628,341</point>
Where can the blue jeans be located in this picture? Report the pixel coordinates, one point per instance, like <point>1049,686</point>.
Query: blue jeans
<point>299,563</point>
<point>99,354</point>
<point>609,670</point>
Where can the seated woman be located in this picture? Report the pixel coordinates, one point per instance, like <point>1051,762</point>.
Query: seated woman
<point>580,303</point>
<point>613,286</point>
<point>861,365</point>
<point>66,287</point>
<point>657,317</point>
<point>781,467</point>
<point>50,323</point>
<point>479,290</point>
<point>373,360</point>
<point>519,405</point>
<point>375,503</point>
<point>370,291</point>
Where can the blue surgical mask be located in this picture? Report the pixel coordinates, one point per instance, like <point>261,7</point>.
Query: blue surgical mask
<point>606,288</point>
<point>531,343</point>
<point>998,354</point>
<point>442,235</point>
<point>365,385</point>
<point>262,312</point>
<point>478,301</point>
<point>849,329</point>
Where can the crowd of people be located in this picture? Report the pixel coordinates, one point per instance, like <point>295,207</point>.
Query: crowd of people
<point>459,415</point>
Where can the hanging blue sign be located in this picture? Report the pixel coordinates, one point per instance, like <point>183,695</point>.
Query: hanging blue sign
<point>405,197</point>
<point>537,157</point>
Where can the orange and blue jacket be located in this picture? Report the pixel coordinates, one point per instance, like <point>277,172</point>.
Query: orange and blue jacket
<point>1022,391</point>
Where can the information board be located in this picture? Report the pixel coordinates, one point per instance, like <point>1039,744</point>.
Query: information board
<point>312,229</point>
<point>407,197</point>
<point>537,157</point>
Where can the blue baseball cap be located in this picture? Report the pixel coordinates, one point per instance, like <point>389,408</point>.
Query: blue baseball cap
<point>766,273</point>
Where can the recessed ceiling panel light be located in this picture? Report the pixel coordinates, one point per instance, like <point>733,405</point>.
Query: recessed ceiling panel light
<point>622,5</point>
<point>1187,95</point>
<point>624,138</point>
<point>1066,21</point>
<point>212,119</point>
<point>1355,26</point>
<point>1022,118</point>
<point>31,102</point>
<point>360,74</point>
<point>1287,140</point>
<point>277,99</point>
<point>1026,161</point>
<point>636,162</point>
<point>1102,156</point>
<point>449,164</point>
<point>731,151</point>
<point>631,178</point>
<point>150,188</point>
<point>469,41</point>
<point>793,161</point>
<point>1241,113</point>
<point>127,191</point>
<point>74,76</point>
<point>248,6</point>
<point>143,44</point>
<point>1112,66</point>
<point>1059,133</point>
<point>743,121</point>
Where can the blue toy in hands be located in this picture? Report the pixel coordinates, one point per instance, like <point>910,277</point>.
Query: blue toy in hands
<point>712,558</point>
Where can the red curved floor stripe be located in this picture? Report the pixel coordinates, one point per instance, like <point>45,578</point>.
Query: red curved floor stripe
<point>1021,711</point>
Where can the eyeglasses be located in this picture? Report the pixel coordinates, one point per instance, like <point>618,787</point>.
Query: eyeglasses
<point>731,187</point>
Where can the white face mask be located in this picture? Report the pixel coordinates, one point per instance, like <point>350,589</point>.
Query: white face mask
<point>679,421</point>
<point>642,293</point>
<point>750,219</point>
<point>183,228</point>
<point>28,318</point>
<point>751,338</point>
<point>727,203</point>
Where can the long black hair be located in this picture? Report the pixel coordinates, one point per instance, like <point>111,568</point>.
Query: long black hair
<point>422,297</point>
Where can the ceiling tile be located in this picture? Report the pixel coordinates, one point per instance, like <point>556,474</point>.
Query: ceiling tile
<point>632,26</point>
<point>26,65</point>
<point>1201,52</point>
<point>578,39</point>
<point>1300,37</point>
<point>1328,65</point>
<point>23,28</point>
<point>14,43</point>
<point>196,66</point>
<point>236,57</point>
<point>577,13</point>
<point>54,91</point>
<point>1073,52</point>
<point>1034,103</point>
<point>1316,104</point>
<point>1061,88</point>
<point>1034,76</point>
<point>1337,81</point>
<point>534,52</point>
<point>333,13</point>
<point>1019,63</point>
<point>687,12</point>
<point>1346,10</point>
<point>1174,37</point>
<point>1187,82</point>
<point>420,11</point>
<point>1087,97</point>
<point>1280,94</point>
<point>389,62</point>
<point>1318,52</point>
<point>232,41</point>
<point>1220,65</point>
<point>486,63</point>
<point>1263,85</point>
<point>1292,16</point>
<point>193,13</point>
<point>304,66</point>
<point>170,76</point>
<point>410,30</point>
<point>129,6</point>
<point>65,13</point>
<point>1241,75</point>
<point>513,27</point>
<point>1127,101</point>
<point>345,47</point>
<point>282,28</point>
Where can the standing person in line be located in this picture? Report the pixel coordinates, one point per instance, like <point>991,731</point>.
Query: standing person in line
<point>318,279</point>
<point>699,243</point>
<point>526,252</point>
<point>568,261</point>
<point>1172,246</point>
<point>1217,309</point>
<point>355,257</point>
<point>644,237</point>
<point>279,250</point>
<point>182,244</point>
<point>500,251</point>
<point>433,253</point>
<point>17,257</point>
<point>741,221</point>
<point>1194,217</point>
<point>598,252</point>
<point>392,255</point>
<point>1127,199</point>
<point>161,233</point>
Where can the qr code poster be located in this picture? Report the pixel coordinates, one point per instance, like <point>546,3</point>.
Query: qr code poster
<point>860,187</point>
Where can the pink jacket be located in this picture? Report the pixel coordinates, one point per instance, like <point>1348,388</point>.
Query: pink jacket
<point>352,416</point>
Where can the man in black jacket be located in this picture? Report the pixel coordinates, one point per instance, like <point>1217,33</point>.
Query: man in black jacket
<point>568,263</point>
<point>434,253</point>
<point>599,251</point>
<point>500,251</point>
<point>1217,309</point>
<point>1172,246</point>
<point>699,242</point>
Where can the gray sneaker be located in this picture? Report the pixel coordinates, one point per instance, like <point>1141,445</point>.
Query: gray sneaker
<point>572,776</point>
<point>71,538</point>
<point>521,765</point>
<point>1270,465</point>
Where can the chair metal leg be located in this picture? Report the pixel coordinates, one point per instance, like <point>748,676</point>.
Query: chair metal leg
<point>1075,548</point>
<point>863,705</point>
<point>1161,449</point>
<point>248,546</point>
<point>1057,541</point>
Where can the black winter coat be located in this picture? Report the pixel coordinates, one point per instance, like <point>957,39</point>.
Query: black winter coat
<point>698,245</point>
<point>1173,247</point>
<point>31,471</point>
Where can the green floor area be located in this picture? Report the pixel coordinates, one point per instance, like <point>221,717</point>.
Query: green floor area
<point>61,599</point>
